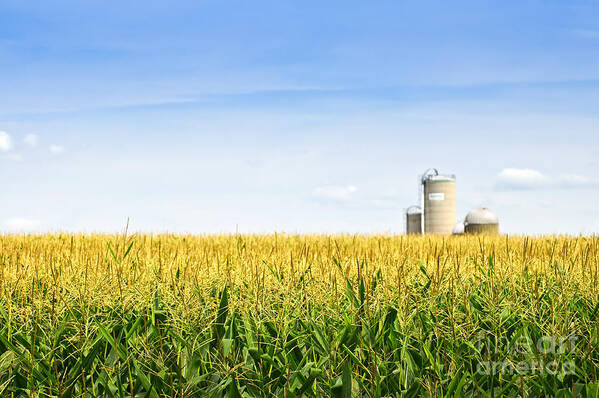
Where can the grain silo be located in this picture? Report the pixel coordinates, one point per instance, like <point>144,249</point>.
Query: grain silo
<point>414,220</point>
<point>439,202</point>
<point>481,221</point>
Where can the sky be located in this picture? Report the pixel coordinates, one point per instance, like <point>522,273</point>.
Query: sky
<point>297,117</point>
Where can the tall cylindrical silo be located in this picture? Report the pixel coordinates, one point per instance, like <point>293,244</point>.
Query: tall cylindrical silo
<point>414,220</point>
<point>481,221</point>
<point>439,203</point>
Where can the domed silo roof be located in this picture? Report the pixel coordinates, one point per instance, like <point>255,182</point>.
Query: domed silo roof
<point>459,228</point>
<point>481,216</point>
<point>414,210</point>
<point>414,220</point>
<point>481,220</point>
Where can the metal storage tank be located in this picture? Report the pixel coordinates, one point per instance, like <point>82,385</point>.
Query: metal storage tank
<point>439,202</point>
<point>481,221</point>
<point>414,220</point>
<point>459,229</point>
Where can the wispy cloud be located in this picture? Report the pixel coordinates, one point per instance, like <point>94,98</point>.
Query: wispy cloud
<point>335,192</point>
<point>573,180</point>
<point>17,157</point>
<point>56,149</point>
<point>21,225</point>
<point>30,140</point>
<point>384,203</point>
<point>521,179</point>
<point>5,141</point>
<point>586,33</point>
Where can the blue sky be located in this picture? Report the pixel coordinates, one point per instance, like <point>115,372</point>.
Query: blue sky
<point>210,116</point>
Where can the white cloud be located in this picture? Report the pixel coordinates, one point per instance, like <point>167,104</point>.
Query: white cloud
<point>30,139</point>
<point>21,225</point>
<point>521,179</point>
<point>334,192</point>
<point>5,142</point>
<point>56,149</point>
<point>509,179</point>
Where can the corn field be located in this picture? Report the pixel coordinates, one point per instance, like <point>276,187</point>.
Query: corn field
<point>298,316</point>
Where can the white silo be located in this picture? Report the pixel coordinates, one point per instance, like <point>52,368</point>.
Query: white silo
<point>459,228</point>
<point>439,201</point>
